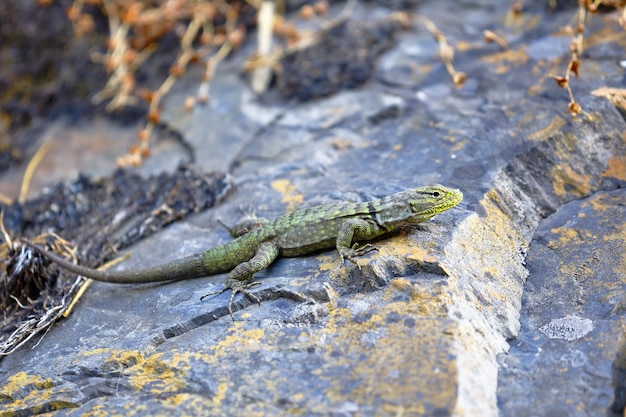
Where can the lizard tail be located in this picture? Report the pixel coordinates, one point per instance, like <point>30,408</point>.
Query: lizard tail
<point>192,266</point>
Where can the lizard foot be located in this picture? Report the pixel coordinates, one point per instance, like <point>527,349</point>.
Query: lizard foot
<point>355,251</point>
<point>236,286</point>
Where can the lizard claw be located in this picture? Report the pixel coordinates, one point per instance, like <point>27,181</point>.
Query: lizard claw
<point>242,287</point>
<point>355,251</point>
<point>236,287</point>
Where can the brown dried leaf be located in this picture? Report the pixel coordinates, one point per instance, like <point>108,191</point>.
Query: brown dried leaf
<point>560,80</point>
<point>459,78</point>
<point>574,108</point>
<point>574,65</point>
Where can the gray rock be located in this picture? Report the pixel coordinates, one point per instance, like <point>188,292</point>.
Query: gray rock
<point>422,327</point>
<point>575,264</point>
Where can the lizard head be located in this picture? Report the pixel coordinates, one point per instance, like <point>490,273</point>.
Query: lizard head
<point>428,201</point>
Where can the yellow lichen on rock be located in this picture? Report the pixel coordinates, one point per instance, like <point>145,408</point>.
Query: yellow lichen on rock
<point>24,391</point>
<point>291,197</point>
<point>555,125</point>
<point>616,168</point>
<point>383,340</point>
<point>566,180</point>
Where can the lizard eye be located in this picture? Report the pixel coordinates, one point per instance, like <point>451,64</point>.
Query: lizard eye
<point>436,194</point>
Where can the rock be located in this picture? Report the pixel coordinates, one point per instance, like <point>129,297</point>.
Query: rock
<point>572,332</point>
<point>423,325</point>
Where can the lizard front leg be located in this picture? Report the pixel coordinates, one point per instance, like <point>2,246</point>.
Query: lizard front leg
<point>245,225</point>
<point>240,279</point>
<point>352,230</point>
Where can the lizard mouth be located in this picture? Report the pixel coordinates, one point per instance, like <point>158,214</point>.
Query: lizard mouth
<point>421,217</point>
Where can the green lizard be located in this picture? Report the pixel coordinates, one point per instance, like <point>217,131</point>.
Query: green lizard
<point>339,225</point>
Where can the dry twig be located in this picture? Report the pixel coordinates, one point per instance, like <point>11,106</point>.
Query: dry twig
<point>446,51</point>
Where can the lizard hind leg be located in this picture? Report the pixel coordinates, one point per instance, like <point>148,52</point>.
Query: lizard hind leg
<point>241,278</point>
<point>245,225</point>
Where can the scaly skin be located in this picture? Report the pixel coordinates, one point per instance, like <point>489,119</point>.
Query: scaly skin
<point>338,225</point>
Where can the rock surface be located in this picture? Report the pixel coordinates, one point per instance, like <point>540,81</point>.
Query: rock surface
<point>509,305</point>
<point>572,334</point>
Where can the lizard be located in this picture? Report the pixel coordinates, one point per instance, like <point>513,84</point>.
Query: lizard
<point>341,225</point>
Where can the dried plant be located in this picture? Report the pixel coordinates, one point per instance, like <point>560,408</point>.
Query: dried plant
<point>446,51</point>
<point>30,295</point>
<point>586,8</point>
<point>135,27</point>
<point>210,29</point>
